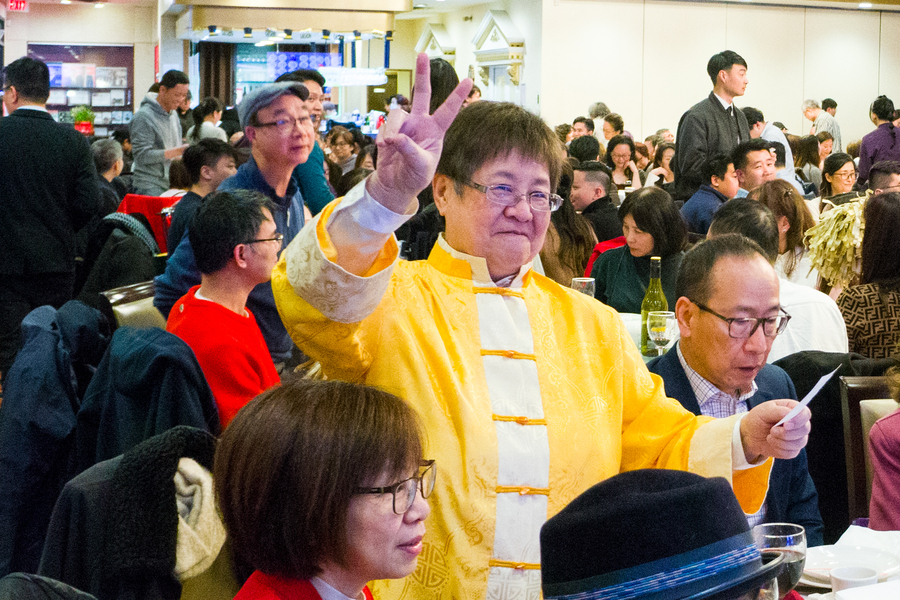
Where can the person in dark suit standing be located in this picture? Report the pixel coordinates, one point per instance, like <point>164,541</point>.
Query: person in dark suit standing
<point>711,126</point>
<point>48,190</point>
<point>729,313</point>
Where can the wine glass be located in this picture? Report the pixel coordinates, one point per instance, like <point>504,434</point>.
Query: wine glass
<point>789,540</point>
<point>585,285</point>
<point>661,327</point>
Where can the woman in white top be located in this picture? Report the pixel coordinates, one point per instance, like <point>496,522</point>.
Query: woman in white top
<point>207,114</point>
<point>794,219</point>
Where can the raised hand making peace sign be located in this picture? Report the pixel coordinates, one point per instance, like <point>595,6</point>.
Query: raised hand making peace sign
<point>409,144</point>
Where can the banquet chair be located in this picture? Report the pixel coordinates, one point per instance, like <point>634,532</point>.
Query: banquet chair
<point>871,411</point>
<point>855,390</point>
<point>132,305</point>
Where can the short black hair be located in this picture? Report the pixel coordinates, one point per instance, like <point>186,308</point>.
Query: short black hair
<point>223,221</point>
<point>751,219</point>
<point>172,78</point>
<point>716,165</point>
<point>654,212</point>
<point>106,153</point>
<point>723,61</point>
<point>597,172</point>
<point>881,172</point>
<point>588,123</point>
<point>206,153</point>
<point>30,77</point>
<point>739,155</point>
<point>121,135</point>
<point>754,116</point>
<point>585,148</point>
<point>694,280</point>
<point>828,103</point>
<point>302,76</point>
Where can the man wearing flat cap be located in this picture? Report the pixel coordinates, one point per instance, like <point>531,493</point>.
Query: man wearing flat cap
<point>529,392</point>
<point>281,136</point>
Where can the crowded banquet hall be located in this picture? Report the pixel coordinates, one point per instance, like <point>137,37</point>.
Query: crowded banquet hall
<point>642,327</point>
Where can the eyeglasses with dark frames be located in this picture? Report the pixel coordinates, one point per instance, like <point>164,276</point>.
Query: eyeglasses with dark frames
<point>744,327</point>
<point>279,237</point>
<point>284,125</point>
<point>404,492</point>
<point>505,195</point>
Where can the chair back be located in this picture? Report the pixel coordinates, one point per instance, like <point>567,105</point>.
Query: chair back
<point>151,207</point>
<point>132,305</point>
<point>854,390</point>
<point>871,411</point>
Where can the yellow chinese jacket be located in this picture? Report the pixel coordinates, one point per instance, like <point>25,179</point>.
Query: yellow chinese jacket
<point>529,394</point>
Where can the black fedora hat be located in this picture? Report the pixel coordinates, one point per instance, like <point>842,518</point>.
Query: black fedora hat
<point>653,534</point>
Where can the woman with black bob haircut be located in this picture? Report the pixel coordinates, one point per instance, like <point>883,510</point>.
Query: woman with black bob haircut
<point>321,486</point>
<point>652,226</point>
<point>871,309</point>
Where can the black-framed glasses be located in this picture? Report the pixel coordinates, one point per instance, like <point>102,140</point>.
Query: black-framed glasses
<point>744,327</point>
<point>505,195</point>
<point>284,125</point>
<point>279,237</point>
<point>404,492</point>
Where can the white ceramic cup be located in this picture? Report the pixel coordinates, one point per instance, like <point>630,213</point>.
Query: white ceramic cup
<point>844,578</point>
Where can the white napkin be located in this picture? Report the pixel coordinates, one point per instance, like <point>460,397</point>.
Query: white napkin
<point>886,541</point>
<point>889,590</point>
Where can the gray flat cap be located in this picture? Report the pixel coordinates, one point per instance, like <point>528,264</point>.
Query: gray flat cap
<point>263,96</point>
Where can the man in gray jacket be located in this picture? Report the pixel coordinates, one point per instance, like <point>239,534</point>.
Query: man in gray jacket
<point>156,134</point>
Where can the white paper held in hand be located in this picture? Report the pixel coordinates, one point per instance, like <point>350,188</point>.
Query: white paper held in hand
<point>816,388</point>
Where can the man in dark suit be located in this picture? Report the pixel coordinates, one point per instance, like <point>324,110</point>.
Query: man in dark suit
<point>48,190</point>
<point>729,313</point>
<point>711,126</point>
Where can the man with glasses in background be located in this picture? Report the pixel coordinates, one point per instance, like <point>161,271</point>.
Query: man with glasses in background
<point>310,174</point>
<point>280,131</point>
<point>529,392</point>
<point>235,247</point>
<point>729,313</point>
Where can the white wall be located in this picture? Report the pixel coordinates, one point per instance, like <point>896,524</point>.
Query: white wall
<point>647,58</point>
<point>651,59</point>
<point>83,24</point>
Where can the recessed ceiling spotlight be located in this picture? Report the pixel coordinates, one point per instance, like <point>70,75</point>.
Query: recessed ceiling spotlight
<point>865,5</point>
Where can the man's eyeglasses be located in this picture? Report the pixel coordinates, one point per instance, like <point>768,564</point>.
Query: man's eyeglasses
<point>279,237</point>
<point>284,125</point>
<point>404,492</point>
<point>505,195</point>
<point>744,327</point>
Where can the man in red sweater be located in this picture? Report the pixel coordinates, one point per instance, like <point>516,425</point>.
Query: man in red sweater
<point>236,247</point>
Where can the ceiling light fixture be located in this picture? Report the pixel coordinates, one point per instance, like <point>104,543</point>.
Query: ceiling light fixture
<point>99,5</point>
<point>213,30</point>
<point>288,34</point>
<point>326,34</point>
<point>65,1</point>
<point>248,32</point>
<point>865,5</point>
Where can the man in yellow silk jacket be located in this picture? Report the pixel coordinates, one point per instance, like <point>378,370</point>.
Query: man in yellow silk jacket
<point>530,392</point>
